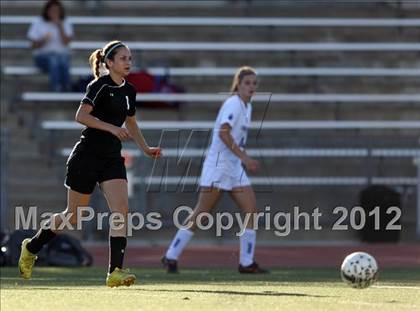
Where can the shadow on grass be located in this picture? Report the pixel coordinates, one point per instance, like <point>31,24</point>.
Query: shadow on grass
<point>240,293</point>
<point>56,277</point>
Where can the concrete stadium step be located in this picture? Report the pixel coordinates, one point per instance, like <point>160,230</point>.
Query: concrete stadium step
<point>41,197</point>
<point>307,84</point>
<point>30,190</point>
<point>25,155</point>
<point>9,120</point>
<point>21,137</point>
<point>24,149</point>
<point>58,159</point>
<point>231,33</point>
<point>40,170</point>
<point>316,165</point>
<point>285,167</point>
<point>43,203</point>
<point>272,112</point>
<point>30,180</point>
<point>34,182</point>
<point>310,84</point>
<point>283,199</point>
<point>273,139</point>
<point>237,59</point>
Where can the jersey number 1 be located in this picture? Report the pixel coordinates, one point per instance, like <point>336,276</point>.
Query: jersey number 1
<point>128,103</point>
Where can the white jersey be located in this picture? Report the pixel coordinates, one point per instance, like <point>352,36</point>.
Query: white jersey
<point>39,28</point>
<point>238,115</point>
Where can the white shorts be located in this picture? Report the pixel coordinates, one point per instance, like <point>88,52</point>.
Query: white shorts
<point>222,179</point>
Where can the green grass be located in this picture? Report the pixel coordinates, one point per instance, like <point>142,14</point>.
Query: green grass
<point>211,289</point>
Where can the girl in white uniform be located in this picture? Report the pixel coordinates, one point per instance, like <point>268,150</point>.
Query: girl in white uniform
<point>225,168</point>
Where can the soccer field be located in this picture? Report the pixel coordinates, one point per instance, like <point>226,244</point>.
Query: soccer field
<point>207,289</point>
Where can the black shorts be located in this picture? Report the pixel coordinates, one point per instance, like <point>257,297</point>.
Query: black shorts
<point>85,168</point>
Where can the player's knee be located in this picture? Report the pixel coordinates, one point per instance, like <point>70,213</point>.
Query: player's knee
<point>73,219</point>
<point>71,216</point>
<point>121,209</point>
<point>250,210</point>
<point>190,225</point>
<point>254,211</point>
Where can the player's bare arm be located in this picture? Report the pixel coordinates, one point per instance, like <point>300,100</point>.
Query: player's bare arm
<point>137,135</point>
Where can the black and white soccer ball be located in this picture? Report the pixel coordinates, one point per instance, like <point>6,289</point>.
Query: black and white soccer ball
<point>359,270</point>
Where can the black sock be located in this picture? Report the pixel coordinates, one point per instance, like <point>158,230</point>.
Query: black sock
<point>117,246</point>
<point>42,237</point>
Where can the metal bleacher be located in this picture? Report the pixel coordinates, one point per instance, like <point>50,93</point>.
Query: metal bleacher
<point>208,97</point>
<point>229,71</point>
<point>272,125</point>
<point>187,152</point>
<point>236,46</point>
<point>229,21</point>
<point>224,21</point>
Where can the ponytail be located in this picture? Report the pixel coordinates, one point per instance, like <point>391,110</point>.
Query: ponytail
<point>96,59</point>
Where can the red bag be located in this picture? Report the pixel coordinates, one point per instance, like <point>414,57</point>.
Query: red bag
<point>143,81</point>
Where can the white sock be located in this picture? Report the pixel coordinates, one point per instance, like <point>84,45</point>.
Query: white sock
<point>247,247</point>
<point>181,239</point>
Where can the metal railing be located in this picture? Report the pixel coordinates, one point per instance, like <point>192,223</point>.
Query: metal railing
<point>230,71</point>
<point>223,21</point>
<point>237,46</point>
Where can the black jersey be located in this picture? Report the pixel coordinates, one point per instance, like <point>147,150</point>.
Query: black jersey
<point>111,103</point>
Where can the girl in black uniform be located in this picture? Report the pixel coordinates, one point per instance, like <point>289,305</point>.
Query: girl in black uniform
<point>108,104</point>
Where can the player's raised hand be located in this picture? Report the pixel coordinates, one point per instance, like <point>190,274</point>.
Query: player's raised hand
<point>154,152</point>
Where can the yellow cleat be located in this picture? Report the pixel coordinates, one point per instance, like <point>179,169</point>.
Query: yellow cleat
<point>26,260</point>
<point>120,277</point>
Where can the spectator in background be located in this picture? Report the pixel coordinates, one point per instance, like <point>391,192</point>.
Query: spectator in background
<point>50,36</point>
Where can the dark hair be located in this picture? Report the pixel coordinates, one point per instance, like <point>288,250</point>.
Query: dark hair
<point>48,5</point>
<point>98,57</point>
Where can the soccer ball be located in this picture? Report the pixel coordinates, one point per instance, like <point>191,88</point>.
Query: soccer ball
<point>359,270</point>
